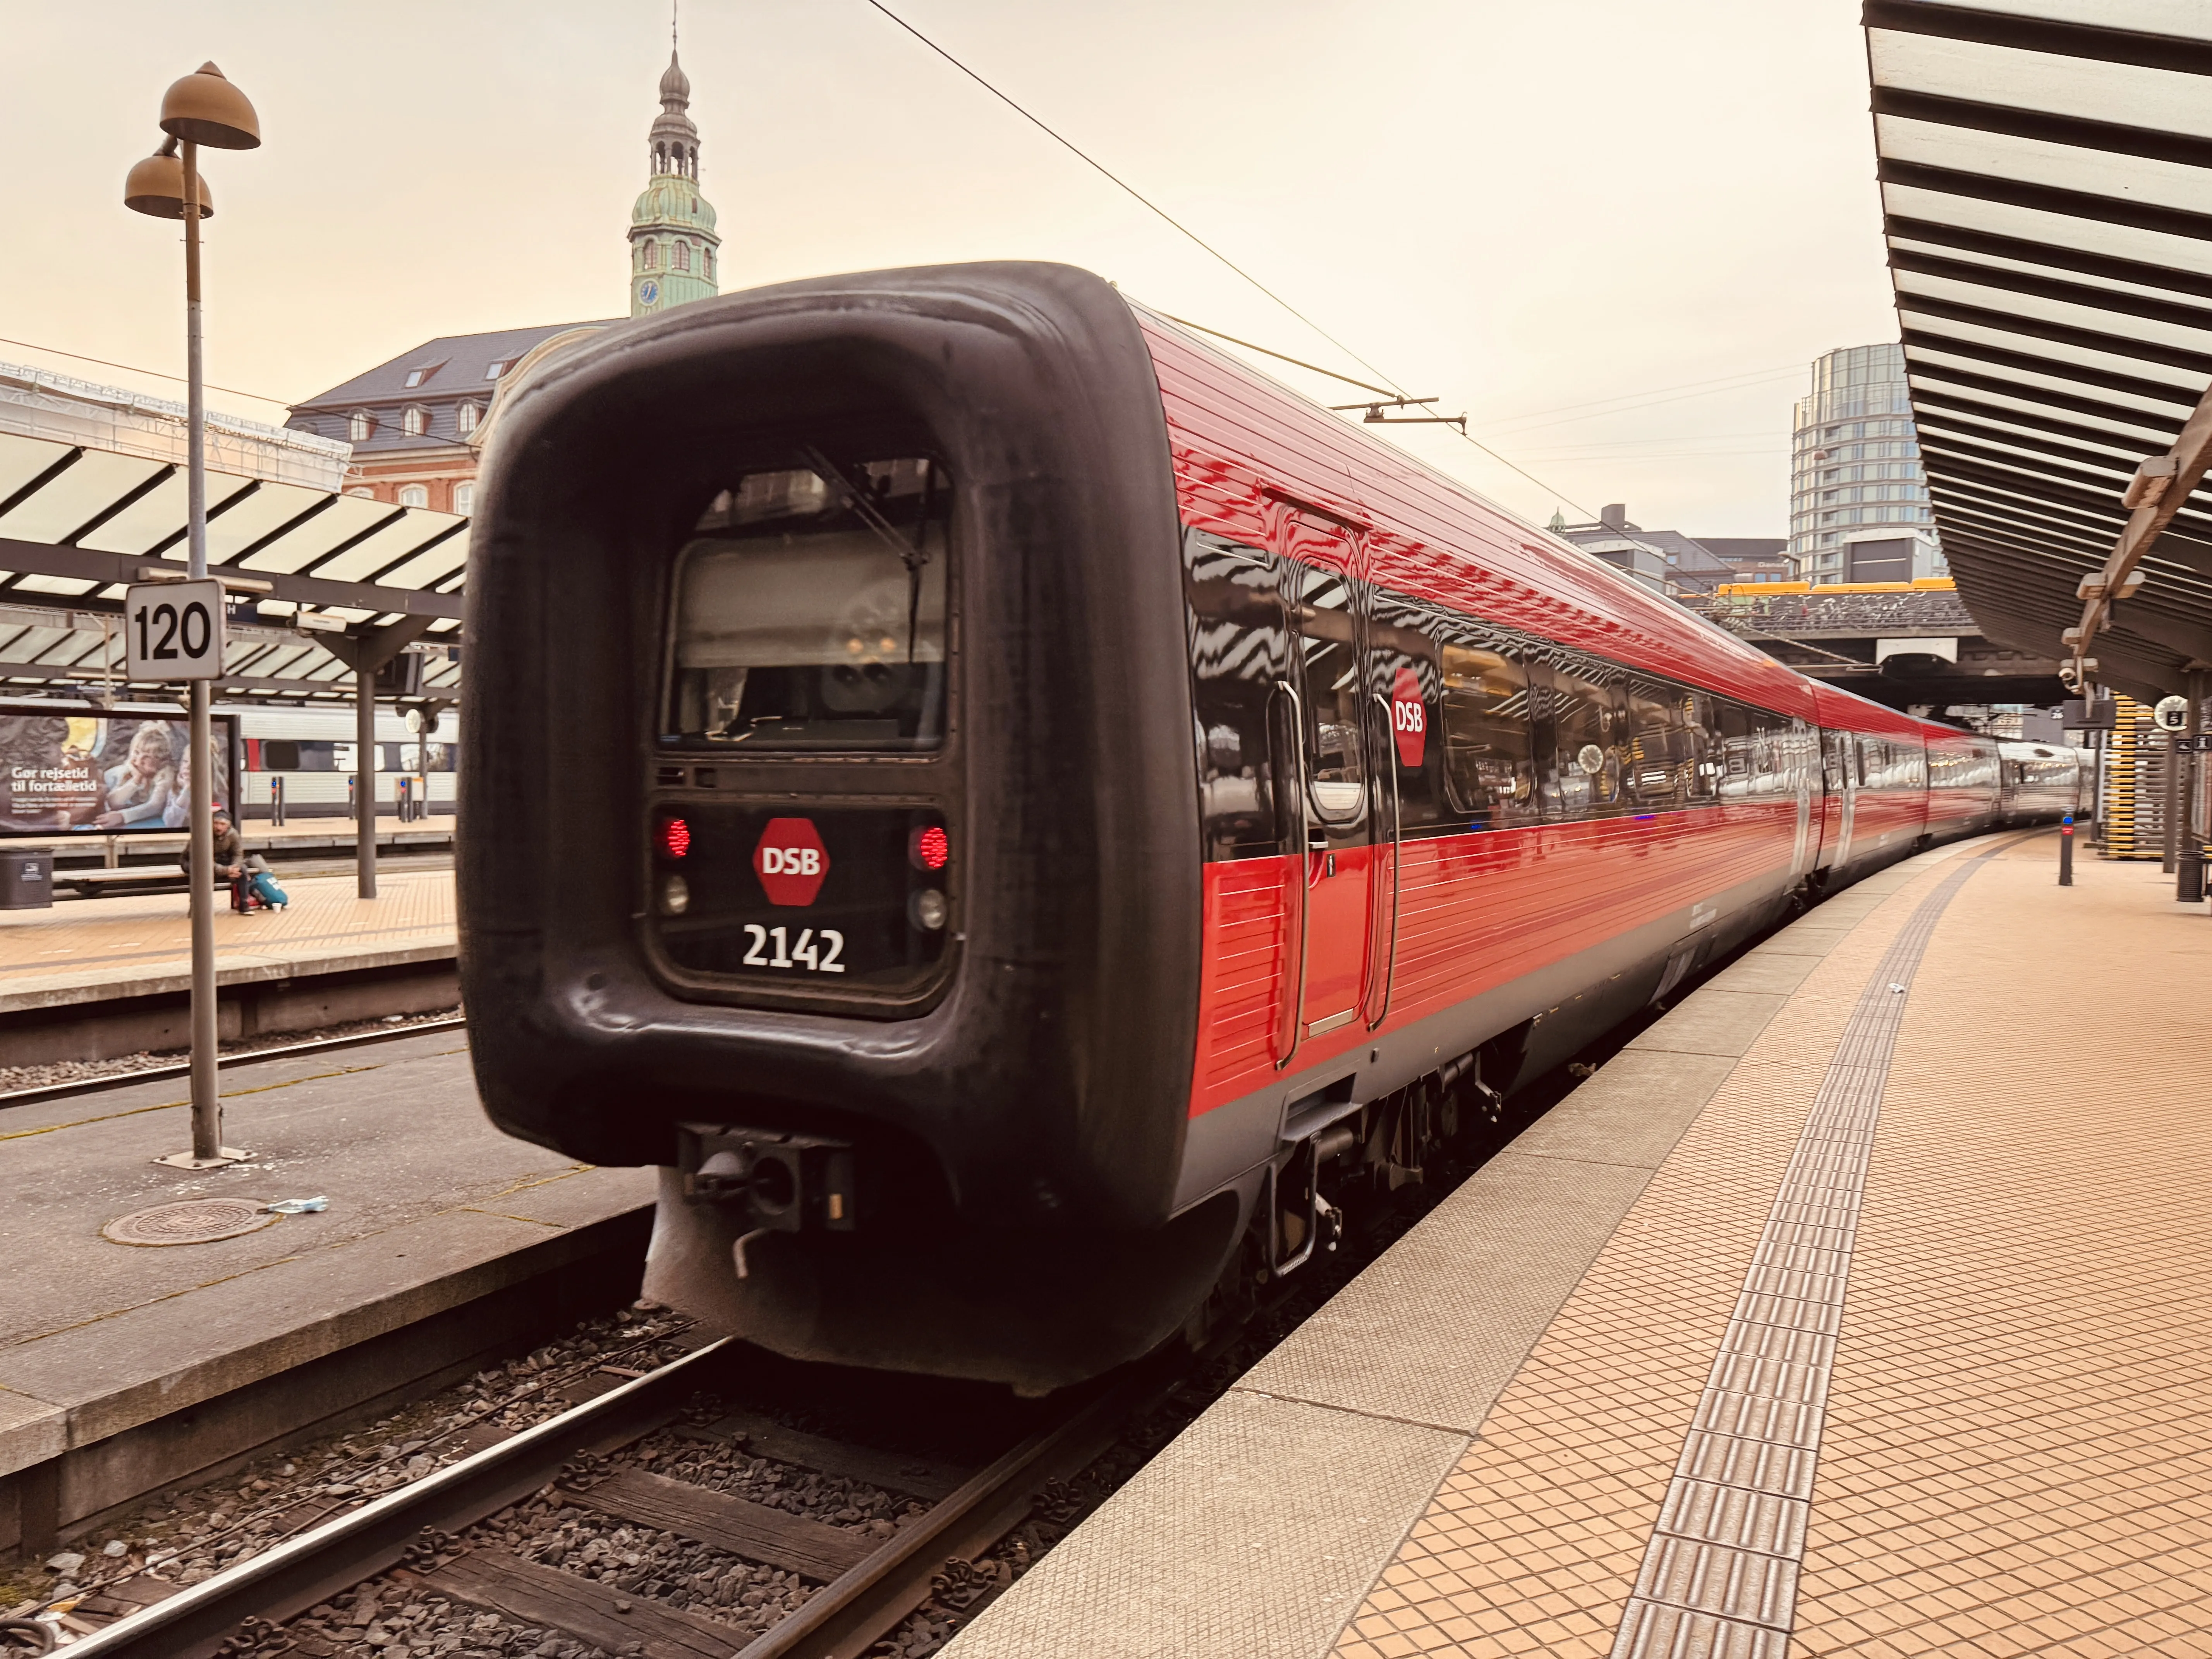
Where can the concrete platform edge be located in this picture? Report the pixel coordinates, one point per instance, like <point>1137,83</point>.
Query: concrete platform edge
<point>67,1390</point>
<point>240,968</point>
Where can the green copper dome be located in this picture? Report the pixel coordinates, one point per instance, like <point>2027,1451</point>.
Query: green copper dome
<point>673,202</point>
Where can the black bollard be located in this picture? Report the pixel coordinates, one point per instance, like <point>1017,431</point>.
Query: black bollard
<point>2066,852</point>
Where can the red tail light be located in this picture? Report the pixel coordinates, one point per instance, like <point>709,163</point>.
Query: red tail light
<point>931,849</point>
<point>675,837</point>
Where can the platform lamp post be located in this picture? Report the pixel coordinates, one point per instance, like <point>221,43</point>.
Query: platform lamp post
<point>201,108</point>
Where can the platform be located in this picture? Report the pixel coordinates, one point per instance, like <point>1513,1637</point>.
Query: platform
<point>1860,1305</point>
<point>122,1366</point>
<point>129,945</point>
<point>88,981</point>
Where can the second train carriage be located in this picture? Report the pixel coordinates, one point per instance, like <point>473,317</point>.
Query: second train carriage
<point>1022,817</point>
<point>311,754</point>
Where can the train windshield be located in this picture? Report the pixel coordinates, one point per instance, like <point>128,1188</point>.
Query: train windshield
<point>810,611</point>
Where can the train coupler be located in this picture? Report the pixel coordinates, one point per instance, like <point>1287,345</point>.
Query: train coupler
<point>786,1183</point>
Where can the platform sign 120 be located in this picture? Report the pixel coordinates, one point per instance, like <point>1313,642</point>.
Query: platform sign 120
<point>173,630</point>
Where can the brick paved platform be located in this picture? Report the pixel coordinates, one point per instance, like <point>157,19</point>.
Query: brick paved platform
<point>141,944</point>
<point>1859,1307</point>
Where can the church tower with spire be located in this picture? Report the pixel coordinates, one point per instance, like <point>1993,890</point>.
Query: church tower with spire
<point>672,244</point>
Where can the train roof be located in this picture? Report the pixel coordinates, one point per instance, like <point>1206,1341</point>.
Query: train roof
<point>1243,442</point>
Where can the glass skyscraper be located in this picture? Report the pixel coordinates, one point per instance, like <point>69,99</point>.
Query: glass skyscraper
<point>1855,463</point>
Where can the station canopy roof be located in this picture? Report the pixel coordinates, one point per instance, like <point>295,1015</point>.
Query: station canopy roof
<point>2046,185</point>
<point>78,523</point>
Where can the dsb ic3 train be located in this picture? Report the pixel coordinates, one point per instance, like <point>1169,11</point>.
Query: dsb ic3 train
<point>1025,819</point>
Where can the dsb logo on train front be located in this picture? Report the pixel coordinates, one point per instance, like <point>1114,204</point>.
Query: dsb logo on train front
<point>791,861</point>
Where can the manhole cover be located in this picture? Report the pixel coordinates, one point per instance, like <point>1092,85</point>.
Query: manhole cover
<point>196,1221</point>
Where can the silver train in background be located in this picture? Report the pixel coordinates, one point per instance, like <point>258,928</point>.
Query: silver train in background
<point>311,754</point>
<point>2040,781</point>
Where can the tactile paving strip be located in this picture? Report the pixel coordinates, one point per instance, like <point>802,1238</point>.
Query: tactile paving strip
<point>1719,1576</point>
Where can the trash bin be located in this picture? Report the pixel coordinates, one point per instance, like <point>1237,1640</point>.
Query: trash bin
<point>26,879</point>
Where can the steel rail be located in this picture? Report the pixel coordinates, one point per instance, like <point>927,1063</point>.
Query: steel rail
<point>183,1068</point>
<point>841,1620</point>
<point>295,1574</point>
<point>845,1618</point>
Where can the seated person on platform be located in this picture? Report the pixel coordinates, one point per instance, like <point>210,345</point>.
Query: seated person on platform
<point>233,864</point>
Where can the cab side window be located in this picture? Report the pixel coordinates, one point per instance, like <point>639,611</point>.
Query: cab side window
<point>1239,651</point>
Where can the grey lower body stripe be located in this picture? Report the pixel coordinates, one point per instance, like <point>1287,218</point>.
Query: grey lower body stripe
<point>1720,1575</point>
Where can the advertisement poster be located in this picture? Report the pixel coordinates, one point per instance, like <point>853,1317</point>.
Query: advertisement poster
<point>101,772</point>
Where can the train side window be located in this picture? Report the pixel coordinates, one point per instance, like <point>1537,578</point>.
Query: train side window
<point>1586,772</point>
<point>1490,773</point>
<point>1401,641</point>
<point>1664,741</point>
<point>280,755</point>
<point>1775,754</point>
<point>1336,777</point>
<point>1238,652</point>
<point>1739,750</point>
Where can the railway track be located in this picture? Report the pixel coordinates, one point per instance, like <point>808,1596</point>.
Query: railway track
<point>183,1068</point>
<point>864,1582</point>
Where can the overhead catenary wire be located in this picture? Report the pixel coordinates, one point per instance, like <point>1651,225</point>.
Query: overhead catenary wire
<point>1137,196</point>
<point>1629,402</point>
<point>134,368</point>
<point>1123,185</point>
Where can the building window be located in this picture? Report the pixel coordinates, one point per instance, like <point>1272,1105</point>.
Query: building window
<point>496,369</point>
<point>465,416</point>
<point>464,499</point>
<point>683,256</point>
<point>652,256</point>
<point>707,255</point>
<point>416,421</point>
<point>418,375</point>
<point>414,495</point>
<point>363,491</point>
<point>360,425</point>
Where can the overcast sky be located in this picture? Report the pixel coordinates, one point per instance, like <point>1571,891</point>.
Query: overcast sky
<point>1525,210</point>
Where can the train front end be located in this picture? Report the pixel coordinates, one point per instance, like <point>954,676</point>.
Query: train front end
<point>830,841</point>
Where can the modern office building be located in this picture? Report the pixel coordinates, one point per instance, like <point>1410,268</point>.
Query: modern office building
<point>1855,466</point>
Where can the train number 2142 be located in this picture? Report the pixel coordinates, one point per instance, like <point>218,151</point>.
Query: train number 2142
<point>815,952</point>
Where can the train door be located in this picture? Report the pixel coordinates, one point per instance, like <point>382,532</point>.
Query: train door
<point>1802,746</point>
<point>1339,811</point>
<point>1839,789</point>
